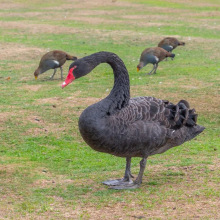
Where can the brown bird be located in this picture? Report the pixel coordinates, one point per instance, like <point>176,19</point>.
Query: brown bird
<point>53,60</point>
<point>170,43</point>
<point>153,55</point>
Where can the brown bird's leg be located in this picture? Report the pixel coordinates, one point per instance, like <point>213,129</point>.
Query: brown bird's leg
<point>137,182</point>
<point>151,71</point>
<point>156,65</point>
<point>53,74</point>
<point>127,176</point>
<point>61,69</point>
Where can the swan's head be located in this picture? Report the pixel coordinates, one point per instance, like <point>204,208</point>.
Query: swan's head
<point>77,69</point>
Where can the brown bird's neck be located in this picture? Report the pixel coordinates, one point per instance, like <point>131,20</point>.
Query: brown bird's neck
<point>37,72</point>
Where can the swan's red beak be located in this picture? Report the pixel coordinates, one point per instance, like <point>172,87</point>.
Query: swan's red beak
<point>70,77</point>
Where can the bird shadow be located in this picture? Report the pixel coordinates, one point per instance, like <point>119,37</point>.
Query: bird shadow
<point>49,80</point>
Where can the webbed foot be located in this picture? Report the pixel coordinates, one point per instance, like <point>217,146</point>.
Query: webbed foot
<point>131,185</point>
<point>117,182</point>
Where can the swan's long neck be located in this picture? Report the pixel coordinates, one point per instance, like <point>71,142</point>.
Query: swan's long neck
<point>120,94</point>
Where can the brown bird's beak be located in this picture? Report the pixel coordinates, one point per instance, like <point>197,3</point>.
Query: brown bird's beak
<point>35,77</point>
<point>138,69</point>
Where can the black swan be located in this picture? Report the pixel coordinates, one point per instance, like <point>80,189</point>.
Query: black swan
<point>53,60</point>
<point>130,127</point>
<point>170,43</point>
<point>153,55</point>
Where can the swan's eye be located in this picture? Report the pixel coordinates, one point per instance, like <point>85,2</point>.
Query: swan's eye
<point>73,68</point>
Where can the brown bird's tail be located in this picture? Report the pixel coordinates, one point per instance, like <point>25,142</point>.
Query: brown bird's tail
<point>170,54</point>
<point>181,43</point>
<point>69,57</point>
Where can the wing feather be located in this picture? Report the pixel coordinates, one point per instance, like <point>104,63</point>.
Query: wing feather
<point>150,109</point>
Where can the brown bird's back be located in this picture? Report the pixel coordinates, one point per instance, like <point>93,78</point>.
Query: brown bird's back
<point>153,55</point>
<point>170,43</point>
<point>58,55</point>
<point>159,52</point>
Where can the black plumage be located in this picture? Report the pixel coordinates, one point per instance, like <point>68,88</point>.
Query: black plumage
<point>131,127</point>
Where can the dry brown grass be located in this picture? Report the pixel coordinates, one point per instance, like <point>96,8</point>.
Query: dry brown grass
<point>19,52</point>
<point>204,104</point>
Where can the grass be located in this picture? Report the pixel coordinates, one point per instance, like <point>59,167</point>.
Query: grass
<point>46,169</point>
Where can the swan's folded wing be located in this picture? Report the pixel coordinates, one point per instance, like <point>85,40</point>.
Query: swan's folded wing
<point>160,111</point>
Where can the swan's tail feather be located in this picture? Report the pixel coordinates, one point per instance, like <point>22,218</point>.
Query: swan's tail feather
<point>184,134</point>
<point>181,114</point>
<point>192,119</point>
<point>193,132</point>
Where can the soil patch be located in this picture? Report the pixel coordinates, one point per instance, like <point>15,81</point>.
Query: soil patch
<point>38,28</point>
<point>69,101</point>
<point>51,100</point>
<point>9,5</point>
<point>33,88</point>
<point>51,180</point>
<point>44,127</point>
<point>4,116</point>
<point>13,51</point>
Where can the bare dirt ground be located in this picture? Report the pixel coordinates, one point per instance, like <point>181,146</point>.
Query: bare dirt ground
<point>18,51</point>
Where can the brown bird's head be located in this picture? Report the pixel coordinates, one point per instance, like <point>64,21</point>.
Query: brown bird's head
<point>140,66</point>
<point>36,73</point>
<point>168,54</point>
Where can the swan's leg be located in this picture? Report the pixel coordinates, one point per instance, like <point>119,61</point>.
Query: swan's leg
<point>128,174</point>
<point>143,162</point>
<point>53,74</point>
<point>61,69</point>
<point>137,182</point>
<point>126,179</point>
